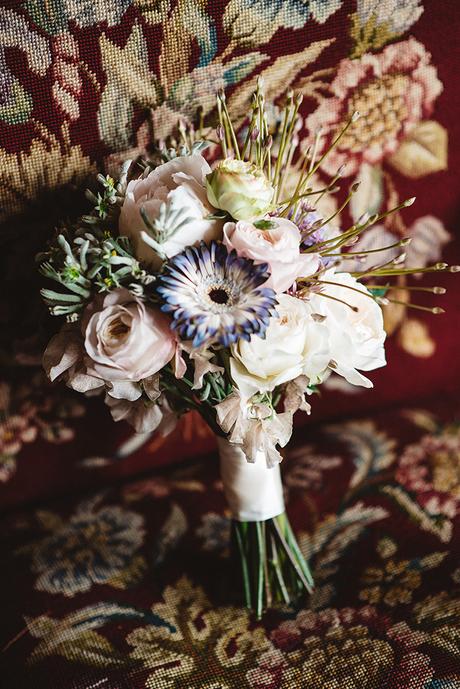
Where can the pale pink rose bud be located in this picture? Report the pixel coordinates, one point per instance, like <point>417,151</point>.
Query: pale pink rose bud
<point>240,188</point>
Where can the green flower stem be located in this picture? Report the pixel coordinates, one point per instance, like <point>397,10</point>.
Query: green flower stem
<point>272,568</point>
<point>239,538</point>
<point>182,390</point>
<point>277,570</point>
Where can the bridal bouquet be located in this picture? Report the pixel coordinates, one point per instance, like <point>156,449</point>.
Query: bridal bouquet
<point>222,288</point>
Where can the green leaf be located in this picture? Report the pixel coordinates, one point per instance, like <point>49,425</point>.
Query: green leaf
<point>369,36</point>
<point>219,215</point>
<point>19,105</point>
<point>378,291</point>
<point>438,616</point>
<point>129,81</point>
<point>265,224</point>
<point>89,648</point>
<point>334,534</point>
<point>51,16</point>
<point>278,77</point>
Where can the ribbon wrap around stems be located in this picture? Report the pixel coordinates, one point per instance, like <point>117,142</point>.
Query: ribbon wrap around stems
<point>254,492</point>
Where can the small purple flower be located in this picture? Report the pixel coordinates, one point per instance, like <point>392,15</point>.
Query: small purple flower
<point>305,219</point>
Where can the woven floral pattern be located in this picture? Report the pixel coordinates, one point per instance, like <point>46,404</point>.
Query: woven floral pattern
<point>134,582</point>
<point>126,586</point>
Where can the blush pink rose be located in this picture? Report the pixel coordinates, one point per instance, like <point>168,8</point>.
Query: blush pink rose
<point>392,90</point>
<point>278,246</point>
<point>179,183</point>
<point>125,340</point>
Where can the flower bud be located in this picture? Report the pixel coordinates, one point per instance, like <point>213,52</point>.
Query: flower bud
<point>240,188</point>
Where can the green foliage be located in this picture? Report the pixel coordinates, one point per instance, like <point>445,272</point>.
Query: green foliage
<point>370,36</point>
<point>107,198</point>
<point>183,150</point>
<point>265,224</point>
<point>18,106</point>
<point>82,261</point>
<point>170,219</point>
<point>90,261</point>
<point>379,291</point>
<point>215,388</point>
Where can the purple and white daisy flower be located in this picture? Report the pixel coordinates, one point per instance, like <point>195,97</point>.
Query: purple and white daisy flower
<point>216,296</point>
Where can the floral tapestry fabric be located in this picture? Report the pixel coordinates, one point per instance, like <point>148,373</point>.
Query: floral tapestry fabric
<point>121,582</point>
<point>87,85</point>
<point>129,587</point>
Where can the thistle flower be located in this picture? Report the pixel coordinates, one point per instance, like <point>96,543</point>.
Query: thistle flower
<point>216,296</point>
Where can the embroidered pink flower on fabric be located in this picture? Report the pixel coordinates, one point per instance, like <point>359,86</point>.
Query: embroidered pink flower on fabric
<point>392,91</point>
<point>15,431</point>
<point>359,645</point>
<point>430,468</point>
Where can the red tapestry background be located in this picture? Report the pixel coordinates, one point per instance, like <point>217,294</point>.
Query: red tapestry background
<point>114,562</point>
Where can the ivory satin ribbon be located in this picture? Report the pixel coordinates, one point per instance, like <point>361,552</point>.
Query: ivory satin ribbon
<point>253,491</point>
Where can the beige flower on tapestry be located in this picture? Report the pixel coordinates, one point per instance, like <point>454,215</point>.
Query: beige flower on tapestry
<point>195,635</point>
<point>394,581</point>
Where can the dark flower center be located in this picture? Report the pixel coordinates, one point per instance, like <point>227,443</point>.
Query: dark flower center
<point>218,296</point>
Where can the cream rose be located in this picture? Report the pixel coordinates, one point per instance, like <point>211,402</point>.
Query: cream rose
<point>278,246</point>
<point>240,188</point>
<point>356,338</point>
<point>124,340</point>
<point>180,183</point>
<point>295,344</point>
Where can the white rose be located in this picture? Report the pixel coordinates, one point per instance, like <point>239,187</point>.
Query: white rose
<point>240,188</point>
<point>356,338</point>
<point>295,344</point>
<point>180,183</point>
<point>278,246</point>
